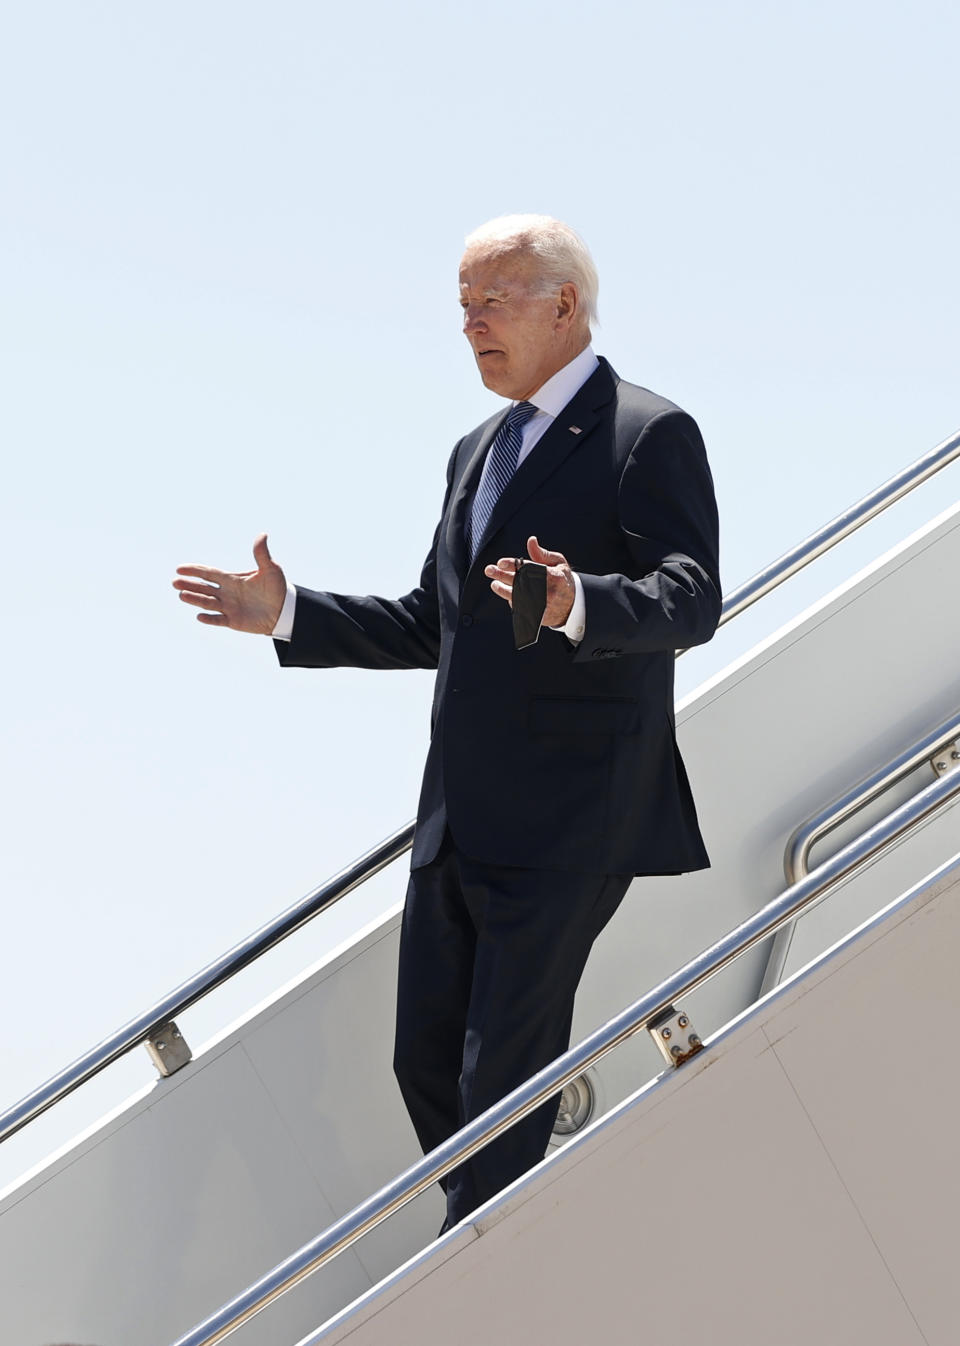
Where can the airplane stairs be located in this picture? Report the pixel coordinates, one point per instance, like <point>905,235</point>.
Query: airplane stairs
<point>795,1181</point>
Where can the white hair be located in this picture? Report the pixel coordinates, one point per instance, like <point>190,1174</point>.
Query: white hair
<point>562,254</point>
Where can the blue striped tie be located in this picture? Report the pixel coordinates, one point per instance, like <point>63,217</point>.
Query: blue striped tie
<point>500,467</point>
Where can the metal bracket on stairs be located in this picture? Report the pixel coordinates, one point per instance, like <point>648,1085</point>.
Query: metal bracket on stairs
<point>947,759</point>
<point>675,1035</point>
<point>168,1048</point>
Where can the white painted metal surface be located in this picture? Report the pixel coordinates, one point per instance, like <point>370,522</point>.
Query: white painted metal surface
<point>292,1118</point>
<point>796,1183</point>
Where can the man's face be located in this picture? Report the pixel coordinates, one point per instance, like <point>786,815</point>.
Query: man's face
<point>519,338</point>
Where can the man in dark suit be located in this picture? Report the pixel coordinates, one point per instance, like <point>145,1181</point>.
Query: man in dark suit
<point>553,775</point>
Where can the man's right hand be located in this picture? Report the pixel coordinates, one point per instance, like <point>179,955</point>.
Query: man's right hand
<point>249,601</point>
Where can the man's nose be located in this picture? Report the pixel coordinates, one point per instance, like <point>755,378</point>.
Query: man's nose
<point>473,321</point>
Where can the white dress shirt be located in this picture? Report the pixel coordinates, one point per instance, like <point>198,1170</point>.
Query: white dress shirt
<point>549,400</point>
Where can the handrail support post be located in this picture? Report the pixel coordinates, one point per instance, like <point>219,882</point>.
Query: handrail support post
<point>947,759</point>
<point>675,1036</point>
<point>168,1049</point>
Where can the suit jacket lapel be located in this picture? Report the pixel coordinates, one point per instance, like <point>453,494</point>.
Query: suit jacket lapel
<point>465,491</point>
<point>571,428</point>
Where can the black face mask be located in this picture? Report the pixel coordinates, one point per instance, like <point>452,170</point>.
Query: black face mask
<point>529,602</point>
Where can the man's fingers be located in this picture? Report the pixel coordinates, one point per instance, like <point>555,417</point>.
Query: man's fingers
<point>503,591</point>
<point>542,556</point>
<point>195,587</point>
<point>202,573</point>
<point>212,618</point>
<point>500,572</point>
<point>198,600</point>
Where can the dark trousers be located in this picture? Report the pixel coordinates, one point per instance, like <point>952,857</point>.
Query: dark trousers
<point>490,959</point>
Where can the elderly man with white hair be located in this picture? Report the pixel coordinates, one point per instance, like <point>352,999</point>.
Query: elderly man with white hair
<point>552,776</point>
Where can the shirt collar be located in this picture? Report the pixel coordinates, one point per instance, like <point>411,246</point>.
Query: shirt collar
<point>554,395</point>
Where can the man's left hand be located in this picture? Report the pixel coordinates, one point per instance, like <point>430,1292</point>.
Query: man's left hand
<point>561,589</point>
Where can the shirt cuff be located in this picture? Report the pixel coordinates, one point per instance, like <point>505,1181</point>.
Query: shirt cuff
<point>575,625</point>
<point>284,627</point>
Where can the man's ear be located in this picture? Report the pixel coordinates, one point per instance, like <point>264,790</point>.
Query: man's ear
<point>568,304</point>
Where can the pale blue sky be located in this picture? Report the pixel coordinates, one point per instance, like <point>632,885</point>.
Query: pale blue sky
<point>228,250</point>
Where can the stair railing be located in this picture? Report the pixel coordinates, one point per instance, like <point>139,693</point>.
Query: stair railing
<point>156,1026</point>
<point>649,1012</point>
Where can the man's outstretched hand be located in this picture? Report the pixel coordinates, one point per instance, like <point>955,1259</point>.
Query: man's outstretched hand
<point>561,589</point>
<point>249,601</point>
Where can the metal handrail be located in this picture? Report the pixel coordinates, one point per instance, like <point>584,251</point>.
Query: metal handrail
<point>204,981</point>
<point>796,860</point>
<point>261,941</point>
<point>892,490</point>
<point>549,1081</point>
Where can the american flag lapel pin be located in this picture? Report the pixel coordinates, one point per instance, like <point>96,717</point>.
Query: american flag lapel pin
<point>575,429</point>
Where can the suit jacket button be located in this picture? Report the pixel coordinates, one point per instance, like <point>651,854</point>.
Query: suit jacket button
<point>466,619</point>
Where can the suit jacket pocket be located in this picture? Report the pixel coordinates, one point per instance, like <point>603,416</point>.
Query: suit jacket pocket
<point>584,715</point>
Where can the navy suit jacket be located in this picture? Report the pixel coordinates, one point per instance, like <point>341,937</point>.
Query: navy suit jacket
<point>556,756</point>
